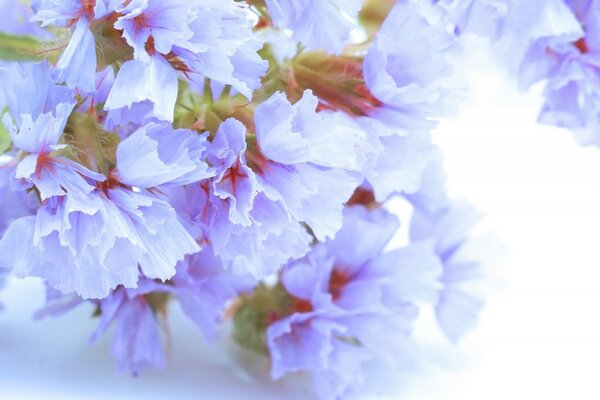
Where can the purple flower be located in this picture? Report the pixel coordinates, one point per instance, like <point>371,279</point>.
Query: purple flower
<point>36,127</point>
<point>406,71</point>
<point>19,78</point>
<point>136,342</point>
<point>296,169</point>
<point>167,22</point>
<point>406,67</point>
<point>351,301</point>
<point>317,24</point>
<point>396,158</point>
<point>94,246</point>
<point>201,286</point>
<point>311,342</point>
<point>77,65</point>
<point>200,40</point>
<point>249,232</point>
<point>204,289</point>
<point>143,91</point>
<point>104,82</point>
<point>466,259</point>
<point>156,154</point>
<point>567,58</point>
<point>94,233</point>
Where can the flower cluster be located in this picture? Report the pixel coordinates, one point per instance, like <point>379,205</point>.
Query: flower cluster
<point>561,41</point>
<point>236,157</point>
<point>567,59</point>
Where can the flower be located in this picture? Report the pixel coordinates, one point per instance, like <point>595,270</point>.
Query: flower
<point>317,24</point>
<point>77,65</point>
<point>204,290</point>
<point>406,72</point>
<point>93,233</point>
<point>350,301</point>
<point>202,40</point>
<point>201,286</point>
<point>143,91</point>
<point>136,342</point>
<point>567,58</point>
<point>92,248</point>
<point>296,170</point>
<point>466,259</point>
<point>156,154</point>
<point>398,158</point>
<point>35,125</point>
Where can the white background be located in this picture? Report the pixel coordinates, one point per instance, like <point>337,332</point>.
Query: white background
<point>539,337</point>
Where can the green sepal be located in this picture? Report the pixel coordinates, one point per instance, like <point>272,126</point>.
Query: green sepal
<point>254,314</point>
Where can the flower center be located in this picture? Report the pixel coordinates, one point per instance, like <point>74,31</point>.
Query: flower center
<point>337,282</point>
<point>87,8</point>
<point>582,46</point>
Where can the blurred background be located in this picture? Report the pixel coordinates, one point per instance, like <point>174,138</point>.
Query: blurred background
<point>539,336</point>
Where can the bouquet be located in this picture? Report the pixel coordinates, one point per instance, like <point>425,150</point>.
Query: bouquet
<point>243,160</point>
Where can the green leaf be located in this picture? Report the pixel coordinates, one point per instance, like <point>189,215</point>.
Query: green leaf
<point>20,48</point>
<point>5,141</point>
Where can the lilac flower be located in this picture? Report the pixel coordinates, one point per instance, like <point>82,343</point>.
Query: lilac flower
<point>203,40</point>
<point>77,65</point>
<point>466,259</point>
<point>167,22</point>
<point>518,20</point>
<point>19,78</point>
<point>406,71</point>
<point>406,67</point>
<point>36,127</point>
<point>309,342</point>
<point>156,154</point>
<point>396,159</point>
<point>296,170</point>
<point>93,246</point>
<point>249,232</point>
<point>204,289</point>
<point>317,24</point>
<point>201,286</point>
<point>135,313</point>
<point>143,91</point>
<point>351,301</point>
<point>136,342</point>
<point>568,59</point>
<point>91,233</point>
